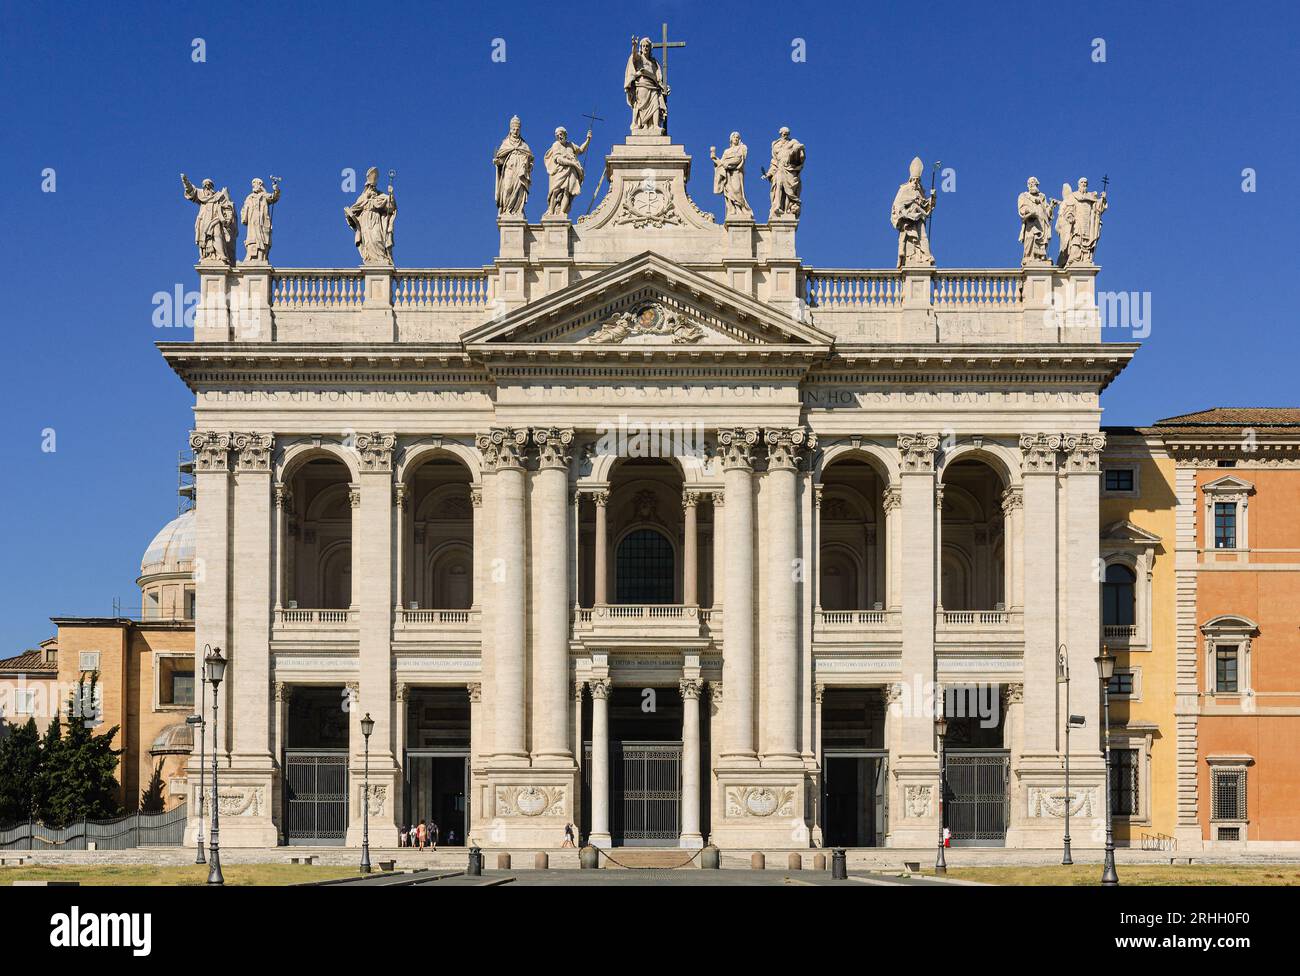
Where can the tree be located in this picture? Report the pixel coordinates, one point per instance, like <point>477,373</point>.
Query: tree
<point>151,800</point>
<point>20,772</point>
<point>80,766</point>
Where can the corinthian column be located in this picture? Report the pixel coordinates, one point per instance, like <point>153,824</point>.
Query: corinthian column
<point>690,689</point>
<point>551,598</point>
<point>503,451</point>
<point>599,763</point>
<point>734,447</point>
<point>250,664</point>
<point>601,595</point>
<point>690,549</point>
<point>780,631</point>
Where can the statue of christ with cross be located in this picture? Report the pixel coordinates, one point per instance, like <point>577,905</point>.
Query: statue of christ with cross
<point>645,83</point>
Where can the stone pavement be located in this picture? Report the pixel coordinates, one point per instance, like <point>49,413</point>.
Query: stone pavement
<point>725,877</point>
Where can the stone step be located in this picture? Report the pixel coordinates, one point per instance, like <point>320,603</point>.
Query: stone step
<point>663,858</point>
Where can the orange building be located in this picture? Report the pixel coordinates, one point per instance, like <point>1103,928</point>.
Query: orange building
<point>1238,625</point>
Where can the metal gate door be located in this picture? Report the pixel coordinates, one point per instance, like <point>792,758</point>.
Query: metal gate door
<point>315,797</point>
<point>648,778</point>
<point>975,803</point>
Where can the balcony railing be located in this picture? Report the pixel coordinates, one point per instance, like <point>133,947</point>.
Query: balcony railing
<point>317,288</point>
<point>849,289</point>
<point>853,618</point>
<point>1119,632</point>
<point>977,618</point>
<point>287,615</point>
<point>439,619</point>
<point>649,620</point>
<point>976,289</point>
<point>443,288</point>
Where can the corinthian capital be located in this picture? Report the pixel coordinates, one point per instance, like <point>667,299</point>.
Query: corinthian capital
<point>1082,451</point>
<point>918,451</point>
<point>787,446</point>
<point>503,447</point>
<point>211,450</point>
<point>1038,451</point>
<point>553,446</point>
<point>736,446</point>
<point>254,451</point>
<point>376,451</point>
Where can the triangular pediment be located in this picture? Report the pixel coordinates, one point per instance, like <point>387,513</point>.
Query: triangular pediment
<point>643,303</point>
<point>1228,483</point>
<point>1126,531</point>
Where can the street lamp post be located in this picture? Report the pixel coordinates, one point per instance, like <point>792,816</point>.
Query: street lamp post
<point>1105,669</point>
<point>941,729</point>
<point>367,726</point>
<point>1063,676</point>
<point>216,668</point>
<point>192,721</point>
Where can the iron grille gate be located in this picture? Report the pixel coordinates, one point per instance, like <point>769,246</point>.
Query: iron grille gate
<point>976,804</point>
<point>648,778</point>
<point>315,797</point>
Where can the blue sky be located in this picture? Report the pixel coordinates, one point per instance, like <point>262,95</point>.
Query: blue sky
<point>1189,95</point>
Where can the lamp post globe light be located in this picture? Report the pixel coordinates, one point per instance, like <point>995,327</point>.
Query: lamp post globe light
<point>367,726</point>
<point>941,730</point>
<point>1105,670</point>
<point>215,665</point>
<point>1063,677</point>
<point>193,721</point>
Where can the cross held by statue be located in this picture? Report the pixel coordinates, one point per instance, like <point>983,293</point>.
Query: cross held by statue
<point>663,46</point>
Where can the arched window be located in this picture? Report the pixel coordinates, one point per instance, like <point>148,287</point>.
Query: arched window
<point>645,568</point>
<point>1117,596</point>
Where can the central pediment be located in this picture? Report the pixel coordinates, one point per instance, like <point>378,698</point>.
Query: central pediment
<point>647,302</point>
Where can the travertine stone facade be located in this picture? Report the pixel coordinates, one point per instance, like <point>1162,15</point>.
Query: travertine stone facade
<point>420,480</point>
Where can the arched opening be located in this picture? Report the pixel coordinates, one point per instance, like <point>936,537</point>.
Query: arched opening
<point>645,568</point>
<point>851,526</point>
<point>972,559</point>
<point>437,528</point>
<point>318,530</point>
<point>1118,596</point>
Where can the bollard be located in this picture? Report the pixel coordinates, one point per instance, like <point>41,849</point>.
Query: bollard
<point>475,866</point>
<point>711,858</point>
<point>839,865</point>
<point>757,861</point>
<point>541,861</point>
<point>819,862</point>
<point>503,862</point>
<point>589,858</point>
<point>794,862</point>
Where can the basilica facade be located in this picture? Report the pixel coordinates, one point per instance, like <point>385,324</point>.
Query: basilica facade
<point>648,527</point>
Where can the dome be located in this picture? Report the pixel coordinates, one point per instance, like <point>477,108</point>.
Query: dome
<point>174,740</point>
<point>172,549</point>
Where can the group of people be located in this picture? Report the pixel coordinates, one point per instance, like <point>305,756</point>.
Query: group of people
<point>423,835</point>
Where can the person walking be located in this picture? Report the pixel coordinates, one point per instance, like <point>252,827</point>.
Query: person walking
<point>568,836</point>
<point>433,834</point>
<point>421,833</point>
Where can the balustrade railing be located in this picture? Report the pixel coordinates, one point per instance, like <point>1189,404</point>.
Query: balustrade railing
<point>975,289</point>
<point>976,618</point>
<point>309,288</point>
<point>853,618</point>
<point>837,288</point>
<point>443,288</point>
<point>435,618</point>
<point>294,615</point>
<point>1119,631</point>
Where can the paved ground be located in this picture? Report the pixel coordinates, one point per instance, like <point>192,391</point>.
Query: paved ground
<point>638,878</point>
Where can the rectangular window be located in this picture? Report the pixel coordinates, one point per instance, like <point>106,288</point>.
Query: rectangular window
<point>1124,782</point>
<point>176,681</point>
<point>1119,479</point>
<point>88,661</point>
<point>1225,525</point>
<point>25,702</point>
<point>1228,794</point>
<point>1225,669</point>
<point>1121,683</point>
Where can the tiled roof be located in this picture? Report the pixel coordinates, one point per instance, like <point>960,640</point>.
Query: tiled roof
<point>32,662</point>
<point>1236,417</point>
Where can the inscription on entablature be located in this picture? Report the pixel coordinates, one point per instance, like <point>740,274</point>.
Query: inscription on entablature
<point>842,396</point>
<point>342,396</point>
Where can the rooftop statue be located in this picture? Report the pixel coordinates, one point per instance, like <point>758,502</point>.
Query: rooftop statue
<point>1079,225</point>
<point>1036,212</point>
<point>646,90</point>
<point>214,226</point>
<point>786,175</point>
<point>911,210</point>
<point>566,172</point>
<point>371,219</point>
<point>729,177</point>
<point>256,216</point>
<point>514,164</point>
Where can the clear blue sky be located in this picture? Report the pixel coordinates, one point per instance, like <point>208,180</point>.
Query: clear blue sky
<point>107,95</point>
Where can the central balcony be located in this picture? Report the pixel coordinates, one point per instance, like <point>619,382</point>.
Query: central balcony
<point>657,621</point>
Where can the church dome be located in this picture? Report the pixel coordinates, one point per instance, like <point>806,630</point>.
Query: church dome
<point>172,549</point>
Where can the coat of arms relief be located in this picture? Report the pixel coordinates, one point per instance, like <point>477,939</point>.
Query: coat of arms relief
<point>649,320</point>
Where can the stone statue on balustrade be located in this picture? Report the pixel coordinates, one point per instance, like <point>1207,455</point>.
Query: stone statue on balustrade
<point>1036,210</point>
<point>729,178</point>
<point>514,165</point>
<point>647,93</point>
<point>565,169</point>
<point>371,219</point>
<point>1079,225</point>
<point>214,227</point>
<point>912,209</point>
<point>786,175</point>
<point>256,216</point>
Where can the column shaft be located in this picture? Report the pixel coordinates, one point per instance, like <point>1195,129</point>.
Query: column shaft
<point>509,578</point>
<point>550,580</point>
<point>601,499</point>
<point>781,647</point>
<point>690,836</point>
<point>599,763</point>
<point>690,550</point>
<point>738,599</point>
